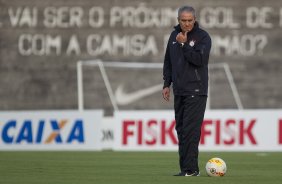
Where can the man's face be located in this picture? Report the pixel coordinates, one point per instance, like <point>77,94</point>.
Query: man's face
<point>186,21</point>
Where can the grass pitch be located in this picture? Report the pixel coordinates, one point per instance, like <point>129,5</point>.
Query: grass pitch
<point>109,167</point>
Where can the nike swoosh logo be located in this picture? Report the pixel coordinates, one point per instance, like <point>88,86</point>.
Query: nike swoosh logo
<point>173,43</point>
<point>123,98</point>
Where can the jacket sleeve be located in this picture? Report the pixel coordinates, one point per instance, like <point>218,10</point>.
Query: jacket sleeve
<point>198,55</point>
<point>167,69</point>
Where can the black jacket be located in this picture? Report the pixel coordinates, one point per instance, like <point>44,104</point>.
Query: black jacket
<point>187,66</point>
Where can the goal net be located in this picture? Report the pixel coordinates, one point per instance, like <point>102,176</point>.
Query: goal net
<point>113,86</point>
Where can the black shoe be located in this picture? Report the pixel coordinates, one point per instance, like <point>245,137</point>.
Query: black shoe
<point>195,173</point>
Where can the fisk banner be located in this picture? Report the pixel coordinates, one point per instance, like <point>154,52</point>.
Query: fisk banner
<point>222,130</point>
<point>50,130</point>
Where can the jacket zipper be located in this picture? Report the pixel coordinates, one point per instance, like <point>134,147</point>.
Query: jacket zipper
<point>197,75</point>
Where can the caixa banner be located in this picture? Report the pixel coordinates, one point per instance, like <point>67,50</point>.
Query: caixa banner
<point>50,130</point>
<point>222,130</point>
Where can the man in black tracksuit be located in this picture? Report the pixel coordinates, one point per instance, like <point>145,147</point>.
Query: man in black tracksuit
<point>186,67</point>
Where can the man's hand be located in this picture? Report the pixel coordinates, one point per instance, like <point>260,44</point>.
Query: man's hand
<point>181,37</point>
<point>166,93</point>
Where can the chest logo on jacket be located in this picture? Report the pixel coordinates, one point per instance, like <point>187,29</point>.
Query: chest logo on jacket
<point>192,43</point>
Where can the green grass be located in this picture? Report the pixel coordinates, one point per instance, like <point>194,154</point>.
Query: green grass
<point>132,168</point>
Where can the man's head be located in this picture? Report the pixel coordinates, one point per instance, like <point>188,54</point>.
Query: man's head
<point>186,18</point>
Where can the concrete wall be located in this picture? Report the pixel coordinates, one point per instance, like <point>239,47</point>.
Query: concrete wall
<point>42,40</point>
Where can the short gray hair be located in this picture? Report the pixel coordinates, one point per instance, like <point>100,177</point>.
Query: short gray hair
<point>189,9</point>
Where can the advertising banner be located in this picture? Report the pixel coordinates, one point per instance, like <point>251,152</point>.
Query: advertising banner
<point>107,128</point>
<point>50,130</point>
<point>222,130</point>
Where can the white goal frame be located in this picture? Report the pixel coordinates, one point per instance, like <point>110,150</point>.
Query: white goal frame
<point>102,64</point>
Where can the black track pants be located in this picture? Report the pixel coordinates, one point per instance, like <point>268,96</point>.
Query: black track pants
<point>189,115</point>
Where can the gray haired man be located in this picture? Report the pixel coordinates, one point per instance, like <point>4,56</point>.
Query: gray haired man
<point>186,67</point>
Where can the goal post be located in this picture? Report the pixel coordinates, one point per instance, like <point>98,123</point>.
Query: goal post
<point>231,83</point>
